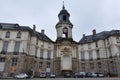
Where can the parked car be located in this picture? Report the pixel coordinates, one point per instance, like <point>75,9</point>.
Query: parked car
<point>43,74</point>
<point>91,74</point>
<point>67,75</point>
<point>100,74</point>
<point>52,75</point>
<point>21,76</point>
<point>79,74</point>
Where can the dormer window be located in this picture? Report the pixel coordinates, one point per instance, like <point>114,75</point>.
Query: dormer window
<point>7,34</point>
<point>19,34</point>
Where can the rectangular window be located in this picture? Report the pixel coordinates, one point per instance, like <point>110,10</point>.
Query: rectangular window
<point>41,64</point>
<point>16,48</point>
<point>48,65</point>
<point>14,61</point>
<point>2,59</point>
<point>82,48</point>
<point>99,67</point>
<point>83,66</point>
<point>98,54</point>
<point>113,66</point>
<point>36,52</point>
<point>5,47</point>
<point>90,55</point>
<point>82,56</point>
<point>89,46</point>
<point>49,45</point>
<point>110,53</point>
<point>49,55</point>
<point>41,53</point>
<point>2,64</point>
<point>91,66</point>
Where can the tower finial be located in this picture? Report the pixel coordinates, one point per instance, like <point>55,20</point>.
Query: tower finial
<point>63,6</point>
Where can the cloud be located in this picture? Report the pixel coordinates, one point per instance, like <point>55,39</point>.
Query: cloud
<point>85,14</point>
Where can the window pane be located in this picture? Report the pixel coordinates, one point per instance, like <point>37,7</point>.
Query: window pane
<point>19,35</point>
<point>91,66</point>
<point>98,54</point>
<point>36,52</point>
<point>17,47</point>
<point>83,66</point>
<point>5,46</point>
<point>49,55</point>
<point>48,65</point>
<point>14,61</point>
<point>90,55</point>
<point>41,53</point>
<point>2,59</point>
<point>82,55</point>
<point>7,34</point>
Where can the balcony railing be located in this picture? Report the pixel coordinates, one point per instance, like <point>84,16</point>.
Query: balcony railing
<point>15,53</point>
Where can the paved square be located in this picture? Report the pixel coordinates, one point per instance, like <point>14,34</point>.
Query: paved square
<point>66,79</point>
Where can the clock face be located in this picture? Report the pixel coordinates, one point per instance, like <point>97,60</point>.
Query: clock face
<point>65,30</point>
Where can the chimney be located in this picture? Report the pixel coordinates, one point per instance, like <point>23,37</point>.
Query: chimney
<point>83,35</point>
<point>94,32</point>
<point>34,27</point>
<point>42,31</point>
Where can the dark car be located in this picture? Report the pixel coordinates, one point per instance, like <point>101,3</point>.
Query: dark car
<point>79,74</point>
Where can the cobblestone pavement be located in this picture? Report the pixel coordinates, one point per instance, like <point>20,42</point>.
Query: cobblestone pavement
<point>66,79</point>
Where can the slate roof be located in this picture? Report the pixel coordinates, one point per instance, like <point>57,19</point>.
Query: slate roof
<point>9,26</point>
<point>100,36</point>
<point>42,36</point>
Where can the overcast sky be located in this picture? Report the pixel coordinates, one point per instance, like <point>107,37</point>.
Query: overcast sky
<point>86,15</point>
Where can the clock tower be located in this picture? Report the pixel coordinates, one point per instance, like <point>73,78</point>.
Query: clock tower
<point>64,26</point>
<point>65,47</point>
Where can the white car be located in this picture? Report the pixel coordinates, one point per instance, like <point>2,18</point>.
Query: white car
<point>43,74</point>
<point>52,75</point>
<point>21,76</point>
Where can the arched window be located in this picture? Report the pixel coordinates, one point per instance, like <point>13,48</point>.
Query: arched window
<point>64,18</point>
<point>7,34</point>
<point>65,32</point>
<point>19,34</point>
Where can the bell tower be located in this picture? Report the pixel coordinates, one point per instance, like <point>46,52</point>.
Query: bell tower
<point>64,26</point>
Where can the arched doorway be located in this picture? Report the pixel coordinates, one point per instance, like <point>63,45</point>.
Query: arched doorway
<point>66,64</point>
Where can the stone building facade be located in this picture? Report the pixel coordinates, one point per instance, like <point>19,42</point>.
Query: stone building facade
<point>23,49</point>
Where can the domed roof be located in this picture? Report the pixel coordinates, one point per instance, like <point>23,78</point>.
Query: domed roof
<point>63,11</point>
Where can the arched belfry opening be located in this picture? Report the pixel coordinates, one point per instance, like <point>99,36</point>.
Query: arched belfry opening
<point>65,32</point>
<point>64,18</point>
